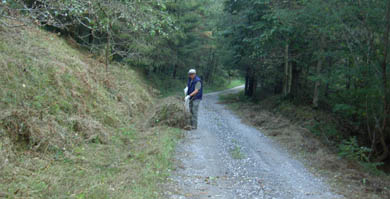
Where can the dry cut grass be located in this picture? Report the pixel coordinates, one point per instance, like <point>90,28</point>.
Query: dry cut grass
<point>170,112</point>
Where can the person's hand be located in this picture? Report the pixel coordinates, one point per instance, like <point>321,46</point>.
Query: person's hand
<point>187,97</point>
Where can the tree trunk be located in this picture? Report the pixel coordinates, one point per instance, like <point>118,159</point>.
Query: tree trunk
<point>317,84</point>
<point>247,82</point>
<point>213,67</point>
<point>286,81</point>
<point>250,88</point>
<point>382,134</point>
<point>348,76</point>
<point>108,46</point>
<point>210,69</point>
<point>306,80</point>
<point>252,84</point>
<point>154,70</point>
<point>296,74</point>
<point>328,76</point>
<point>90,38</point>
<point>290,78</point>
<point>174,72</point>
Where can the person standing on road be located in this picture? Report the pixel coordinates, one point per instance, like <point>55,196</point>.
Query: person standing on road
<point>194,94</point>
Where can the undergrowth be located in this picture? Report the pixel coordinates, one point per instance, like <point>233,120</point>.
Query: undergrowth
<point>349,148</point>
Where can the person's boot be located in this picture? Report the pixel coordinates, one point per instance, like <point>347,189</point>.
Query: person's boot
<point>188,128</point>
<point>194,127</point>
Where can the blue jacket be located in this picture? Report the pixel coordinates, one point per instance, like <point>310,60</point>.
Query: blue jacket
<point>191,88</point>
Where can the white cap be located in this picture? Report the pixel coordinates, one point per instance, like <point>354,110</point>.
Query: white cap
<point>192,71</point>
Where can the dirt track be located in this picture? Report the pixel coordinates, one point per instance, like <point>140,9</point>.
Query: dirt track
<point>227,159</point>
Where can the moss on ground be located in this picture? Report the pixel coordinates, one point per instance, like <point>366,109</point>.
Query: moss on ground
<point>68,129</point>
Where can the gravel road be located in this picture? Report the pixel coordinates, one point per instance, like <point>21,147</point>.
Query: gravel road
<point>227,159</point>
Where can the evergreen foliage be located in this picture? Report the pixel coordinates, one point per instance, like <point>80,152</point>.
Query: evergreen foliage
<point>330,54</point>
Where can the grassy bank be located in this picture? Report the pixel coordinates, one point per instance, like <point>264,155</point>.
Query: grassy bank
<point>132,165</point>
<point>68,129</point>
<point>311,136</point>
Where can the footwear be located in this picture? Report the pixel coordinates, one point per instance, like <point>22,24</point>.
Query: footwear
<point>187,128</point>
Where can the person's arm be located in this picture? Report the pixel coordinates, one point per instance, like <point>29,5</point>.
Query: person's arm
<point>198,86</point>
<point>196,91</point>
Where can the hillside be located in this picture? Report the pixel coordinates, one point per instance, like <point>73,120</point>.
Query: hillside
<point>68,129</point>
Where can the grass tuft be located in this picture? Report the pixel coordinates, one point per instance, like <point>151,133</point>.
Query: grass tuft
<point>236,153</point>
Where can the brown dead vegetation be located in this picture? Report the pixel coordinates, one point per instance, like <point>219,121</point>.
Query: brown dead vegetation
<point>170,112</point>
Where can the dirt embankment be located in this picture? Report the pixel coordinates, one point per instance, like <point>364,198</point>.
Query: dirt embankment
<point>292,128</point>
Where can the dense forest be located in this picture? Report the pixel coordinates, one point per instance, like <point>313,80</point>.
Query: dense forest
<point>161,37</point>
<point>332,55</point>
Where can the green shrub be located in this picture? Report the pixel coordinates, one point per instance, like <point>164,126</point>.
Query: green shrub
<point>351,150</point>
<point>327,130</point>
<point>372,167</point>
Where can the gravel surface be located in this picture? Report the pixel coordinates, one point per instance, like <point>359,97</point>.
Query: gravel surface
<point>226,159</point>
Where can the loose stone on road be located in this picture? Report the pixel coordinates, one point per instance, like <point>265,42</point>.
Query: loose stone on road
<point>227,159</point>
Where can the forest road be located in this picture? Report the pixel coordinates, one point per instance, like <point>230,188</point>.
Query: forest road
<point>227,159</point>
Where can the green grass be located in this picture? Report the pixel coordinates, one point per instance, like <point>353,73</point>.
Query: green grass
<point>68,129</point>
<point>131,167</point>
<point>236,153</point>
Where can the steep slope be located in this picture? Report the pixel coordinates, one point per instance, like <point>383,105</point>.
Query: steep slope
<point>70,129</point>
